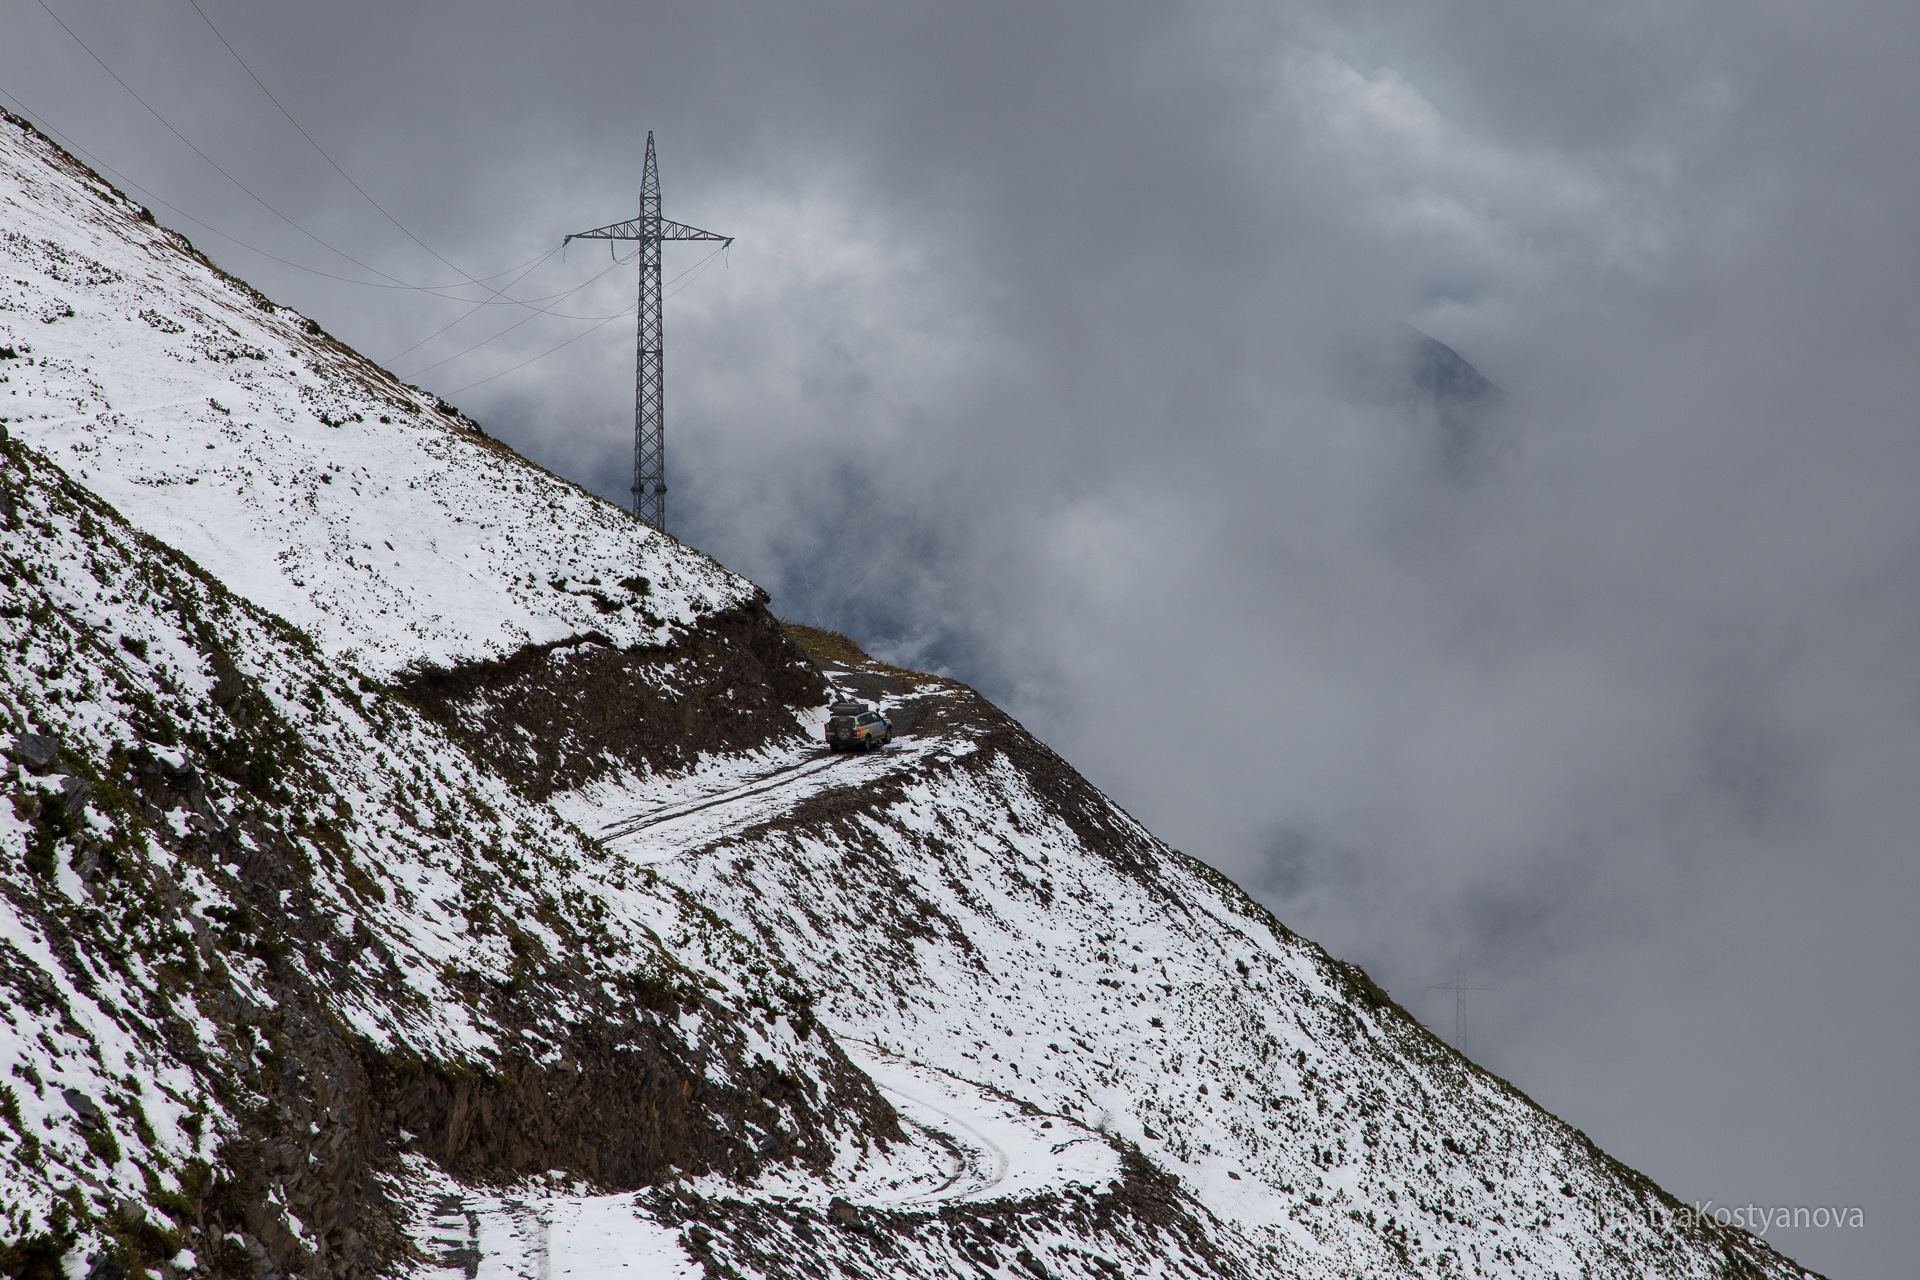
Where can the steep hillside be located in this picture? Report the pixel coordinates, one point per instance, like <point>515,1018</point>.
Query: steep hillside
<point>365,512</point>
<point>971,910</point>
<point>271,930</point>
<point>423,868</point>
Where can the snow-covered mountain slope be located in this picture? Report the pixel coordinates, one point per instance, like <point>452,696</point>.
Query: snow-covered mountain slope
<point>471,908</point>
<point>964,900</point>
<point>267,930</point>
<point>307,479</point>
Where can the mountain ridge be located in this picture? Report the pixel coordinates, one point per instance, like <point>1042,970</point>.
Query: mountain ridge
<point>428,869</point>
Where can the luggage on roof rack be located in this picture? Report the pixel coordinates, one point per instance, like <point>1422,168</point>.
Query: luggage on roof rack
<point>849,708</point>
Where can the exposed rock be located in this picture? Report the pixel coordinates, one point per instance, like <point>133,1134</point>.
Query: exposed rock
<point>84,1107</point>
<point>39,752</point>
<point>74,794</point>
<point>555,716</point>
<point>245,925</point>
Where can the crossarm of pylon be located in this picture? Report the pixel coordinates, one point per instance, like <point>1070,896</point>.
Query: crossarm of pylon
<point>632,230</point>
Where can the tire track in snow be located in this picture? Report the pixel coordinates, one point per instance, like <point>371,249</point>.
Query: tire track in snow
<point>740,791</point>
<point>944,1192</point>
<point>1012,1157</point>
<point>763,784</point>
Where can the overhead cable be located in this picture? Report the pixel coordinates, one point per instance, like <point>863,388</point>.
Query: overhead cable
<point>469,311</point>
<point>152,197</point>
<point>544,354</point>
<point>531,313</point>
<point>404,230</point>
<point>396,282</point>
<point>527,302</point>
<point>694,271</point>
<point>214,164</point>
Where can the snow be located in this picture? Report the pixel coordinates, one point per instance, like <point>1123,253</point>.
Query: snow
<point>543,1234</point>
<point>970,1145</point>
<point>1040,988</point>
<point>972,950</point>
<point>1000,1150</point>
<point>353,506</point>
<point>605,1238</point>
<point>422,851</point>
<point>651,820</point>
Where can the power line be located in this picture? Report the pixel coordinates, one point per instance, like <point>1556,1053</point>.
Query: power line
<point>544,354</point>
<point>404,230</point>
<point>214,164</point>
<point>693,271</point>
<point>397,282</point>
<point>500,297</point>
<point>153,197</point>
<point>510,328</point>
<point>129,184</point>
<point>532,311</point>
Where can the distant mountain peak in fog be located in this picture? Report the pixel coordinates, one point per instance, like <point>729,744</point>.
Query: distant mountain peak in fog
<point>1455,413</point>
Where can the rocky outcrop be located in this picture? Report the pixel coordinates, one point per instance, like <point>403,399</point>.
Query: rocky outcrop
<point>555,716</point>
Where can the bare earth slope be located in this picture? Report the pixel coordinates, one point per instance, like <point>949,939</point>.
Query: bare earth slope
<point>415,866</point>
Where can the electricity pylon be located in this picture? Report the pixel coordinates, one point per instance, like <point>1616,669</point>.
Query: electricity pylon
<point>649,390</point>
<point>1459,986</point>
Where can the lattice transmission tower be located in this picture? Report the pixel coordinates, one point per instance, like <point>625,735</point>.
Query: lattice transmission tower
<point>649,384</point>
<point>1459,986</point>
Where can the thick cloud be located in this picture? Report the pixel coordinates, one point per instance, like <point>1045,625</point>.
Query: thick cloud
<point>1063,348</point>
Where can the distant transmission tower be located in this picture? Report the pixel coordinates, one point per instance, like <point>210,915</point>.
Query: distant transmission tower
<point>1459,986</point>
<point>649,390</point>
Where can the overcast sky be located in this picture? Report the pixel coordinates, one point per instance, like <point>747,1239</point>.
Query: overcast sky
<point>1057,352</point>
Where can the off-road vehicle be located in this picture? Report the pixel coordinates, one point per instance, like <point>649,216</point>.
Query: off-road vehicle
<point>854,726</point>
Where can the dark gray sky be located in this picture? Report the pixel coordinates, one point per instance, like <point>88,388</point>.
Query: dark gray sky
<point>1050,354</point>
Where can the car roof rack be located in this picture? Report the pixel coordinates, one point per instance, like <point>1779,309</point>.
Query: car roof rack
<point>849,708</point>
